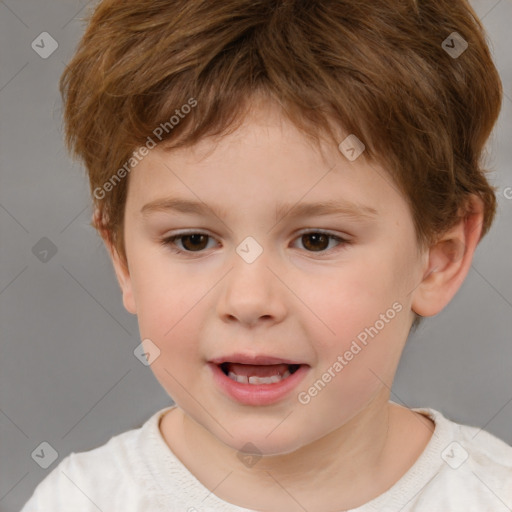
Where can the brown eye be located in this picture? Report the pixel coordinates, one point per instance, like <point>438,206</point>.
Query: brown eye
<point>188,242</point>
<point>318,241</point>
<point>194,242</point>
<point>315,241</point>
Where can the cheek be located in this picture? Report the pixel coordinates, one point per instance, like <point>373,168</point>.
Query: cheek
<point>166,299</point>
<point>349,299</point>
<point>356,314</point>
<point>359,360</point>
<point>170,321</point>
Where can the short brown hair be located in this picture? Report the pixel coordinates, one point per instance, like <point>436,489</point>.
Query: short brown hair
<point>377,68</point>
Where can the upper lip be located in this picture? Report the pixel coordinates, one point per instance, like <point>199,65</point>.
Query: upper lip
<point>256,359</point>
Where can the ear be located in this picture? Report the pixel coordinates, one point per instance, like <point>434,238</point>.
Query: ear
<point>120,267</point>
<point>124,279</point>
<point>449,260</point>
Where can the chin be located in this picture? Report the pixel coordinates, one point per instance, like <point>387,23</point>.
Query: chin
<point>259,442</point>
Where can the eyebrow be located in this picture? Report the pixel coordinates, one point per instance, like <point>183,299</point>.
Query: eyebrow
<point>342,208</point>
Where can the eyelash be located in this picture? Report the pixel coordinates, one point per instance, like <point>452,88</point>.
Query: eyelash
<point>168,242</point>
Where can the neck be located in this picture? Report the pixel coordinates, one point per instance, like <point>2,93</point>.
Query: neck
<point>346,468</point>
<point>361,441</point>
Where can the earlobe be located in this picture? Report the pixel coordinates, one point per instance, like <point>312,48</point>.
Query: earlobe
<point>449,260</point>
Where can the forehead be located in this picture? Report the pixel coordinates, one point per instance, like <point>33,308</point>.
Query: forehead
<point>266,160</point>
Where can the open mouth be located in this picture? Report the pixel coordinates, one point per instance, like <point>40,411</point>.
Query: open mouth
<point>258,374</point>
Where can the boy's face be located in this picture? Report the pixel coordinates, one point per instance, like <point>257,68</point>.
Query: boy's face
<point>304,299</point>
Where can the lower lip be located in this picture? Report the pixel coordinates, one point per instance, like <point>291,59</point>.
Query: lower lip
<point>257,394</point>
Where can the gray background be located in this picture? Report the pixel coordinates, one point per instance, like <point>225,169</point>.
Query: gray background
<point>68,373</point>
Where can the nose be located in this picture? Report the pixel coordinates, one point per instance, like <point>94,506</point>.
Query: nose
<point>252,293</point>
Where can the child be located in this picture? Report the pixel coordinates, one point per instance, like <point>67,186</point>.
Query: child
<point>324,156</point>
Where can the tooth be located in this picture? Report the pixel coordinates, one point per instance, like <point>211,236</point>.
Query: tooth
<point>258,380</point>
<point>238,378</point>
<point>264,380</point>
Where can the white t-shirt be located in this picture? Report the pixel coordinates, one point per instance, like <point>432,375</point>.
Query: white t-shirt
<point>462,469</point>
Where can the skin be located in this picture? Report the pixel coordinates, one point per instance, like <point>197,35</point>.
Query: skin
<point>349,443</point>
